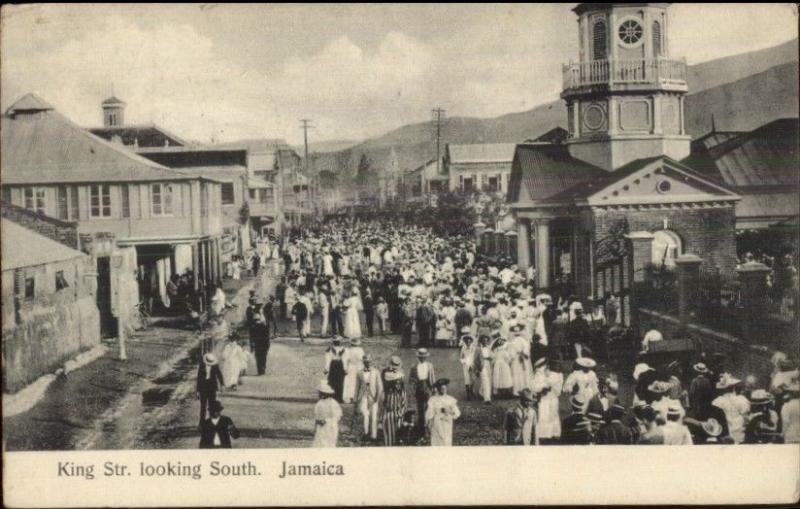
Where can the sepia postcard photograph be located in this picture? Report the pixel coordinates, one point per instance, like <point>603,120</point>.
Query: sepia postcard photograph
<point>371,254</point>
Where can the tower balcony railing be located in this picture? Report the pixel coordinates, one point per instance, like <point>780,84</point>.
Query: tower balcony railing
<point>636,71</point>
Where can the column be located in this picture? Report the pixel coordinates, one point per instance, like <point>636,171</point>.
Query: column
<point>523,244</point>
<point>195,264</point>
<point>688,266</point>
<point>641,254</point>
<point>543,253</point>
<point>753,278</point>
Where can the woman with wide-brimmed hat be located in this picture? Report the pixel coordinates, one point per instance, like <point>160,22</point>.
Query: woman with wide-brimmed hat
<point>735,406</point>
<point>502,380</point>
<point>353,363</point>
<point>441,412</point>
<point>327,414</point>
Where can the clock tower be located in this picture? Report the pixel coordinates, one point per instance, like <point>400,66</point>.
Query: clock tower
<point>625,95</point>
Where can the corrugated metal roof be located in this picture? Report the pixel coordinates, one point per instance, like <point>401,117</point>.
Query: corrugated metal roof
<point>770,205</point>
<point>547,170</point>
<point>45,147</point>
<point>22,247</point>
<point>767,156</point>
<point>481,153</point>
<point>29,102</point>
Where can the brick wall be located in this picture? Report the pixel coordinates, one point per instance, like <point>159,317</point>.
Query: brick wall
<point>708,233</point>
<point>60,231</point>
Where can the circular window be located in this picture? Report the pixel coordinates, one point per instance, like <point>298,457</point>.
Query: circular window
<point>630,32</point>
<point>594,116</point>
<point>663,186</point>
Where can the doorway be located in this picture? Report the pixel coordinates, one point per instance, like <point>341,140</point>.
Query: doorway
<point>108,324</point>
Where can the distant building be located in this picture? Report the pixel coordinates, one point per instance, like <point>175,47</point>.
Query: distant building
<point>49,309</point>
<point>425,182</point>
<point>484,167</point>
<point>141,221</point>
<point>135,136</point>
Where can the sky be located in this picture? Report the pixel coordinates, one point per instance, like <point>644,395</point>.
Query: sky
<point>225,72</point>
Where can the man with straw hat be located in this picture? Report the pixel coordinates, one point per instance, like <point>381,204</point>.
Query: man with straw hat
<point>209,381</point>
<point>762,424</point>
<point>441,412</point>
<point>735,406</point>
<point>520,421</point>
<point>675,432</point>
<point>216,431</point>
<point>327,414</point>
<point>369,390</point>
<point>422,378</point>
<point>583,380</point>
<point>576,428</point>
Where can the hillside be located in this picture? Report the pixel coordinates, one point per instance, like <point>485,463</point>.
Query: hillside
<point>742,91</point>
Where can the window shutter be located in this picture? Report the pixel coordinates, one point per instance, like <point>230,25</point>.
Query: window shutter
<point>599,40</point>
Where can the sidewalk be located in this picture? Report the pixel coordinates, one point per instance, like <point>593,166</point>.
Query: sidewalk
<point>72,404</point>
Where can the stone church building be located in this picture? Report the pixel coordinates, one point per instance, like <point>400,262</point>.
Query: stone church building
<point>615,193</point>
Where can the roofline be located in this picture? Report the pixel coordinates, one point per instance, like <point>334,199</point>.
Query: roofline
<point>151,125</point>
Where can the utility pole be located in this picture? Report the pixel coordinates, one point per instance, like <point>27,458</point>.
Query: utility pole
<point>305,126</point>
<point>438,122</point>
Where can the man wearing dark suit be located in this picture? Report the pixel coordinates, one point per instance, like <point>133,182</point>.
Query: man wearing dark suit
<point>615,432</point>
<point>216,431</point>
<point>422,379</point>
<point>209,381</point>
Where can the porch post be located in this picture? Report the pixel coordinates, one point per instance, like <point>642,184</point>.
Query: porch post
<point>543,253</point>
<point>688,266</point>
<point>523,244</point>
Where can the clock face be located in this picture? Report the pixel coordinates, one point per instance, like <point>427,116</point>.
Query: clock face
<point>630,32</point>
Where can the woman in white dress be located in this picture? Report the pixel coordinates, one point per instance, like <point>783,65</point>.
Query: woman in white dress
<point>231,363</point>
<point>353,360</point>
<point>547,385</point>
<point>352,317</point>
<point>502,380</point>
<point>324,309</point>
<point>290,297</point>
<point>520,349</point>
<point>441,412</point>
<point>468,354</point>
<point>327,414</point>
<point>485,356</point>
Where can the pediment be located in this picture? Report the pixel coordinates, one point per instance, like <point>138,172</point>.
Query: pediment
<point>660,181</point>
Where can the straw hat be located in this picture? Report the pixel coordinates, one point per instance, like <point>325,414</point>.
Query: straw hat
<point>395,361</point>
<point>701,368</point>
<point>712,427</point>
<point>325,388</point>
<point>585,362</point>
<point>577,402</point>
<point>355,342</point>
<point>659,387</point>
<point>727,381</point>
<point>422,352</point>
<point>760,397</point>
<point>653,335</point>
<point>210,359</point>
<point>639,369</point>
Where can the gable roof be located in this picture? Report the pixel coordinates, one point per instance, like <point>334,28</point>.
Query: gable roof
<point>143,136</point>
<point>767,156</point>
<point>546,170</point>
<point>28,102</point>
<point>45,147</point>
<point>22,247</point>
<point>481,153</point>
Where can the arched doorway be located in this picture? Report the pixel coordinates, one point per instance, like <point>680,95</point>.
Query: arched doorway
<point>667,246</point>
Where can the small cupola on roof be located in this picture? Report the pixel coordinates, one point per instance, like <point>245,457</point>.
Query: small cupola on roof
<point>113,112</point>
<point>27,104</point>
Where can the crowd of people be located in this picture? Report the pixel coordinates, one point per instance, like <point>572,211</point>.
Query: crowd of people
<point>514,342</point>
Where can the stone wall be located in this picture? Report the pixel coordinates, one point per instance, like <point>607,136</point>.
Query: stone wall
<point>741,359</point>
<point>708,232</point>
<point>46,339</point>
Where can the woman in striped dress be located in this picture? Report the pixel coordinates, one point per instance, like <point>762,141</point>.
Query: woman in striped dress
<point>394,400</point>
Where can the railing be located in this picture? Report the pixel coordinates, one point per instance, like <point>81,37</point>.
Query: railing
<point>638,71</point>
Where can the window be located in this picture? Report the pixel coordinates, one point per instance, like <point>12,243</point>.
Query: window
<point>100,201</point>
<point>61,281</point>
<point>656,38</point>
<point>112,119</point>
<point>63,203</point>
<point>30,287</point>
<point>35,199</point>
<point>666,248</point>
<point>73,203</point>
<point>227,193</point>
<point>252,193</point>
<point>126,201</point>
<point>161,199</point>
<point>599,40</point>
<point>630,32</point>
<point>7,194</point>
<point>493,184</point>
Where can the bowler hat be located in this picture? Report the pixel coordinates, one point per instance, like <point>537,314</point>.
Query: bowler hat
<point>215,406</point>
